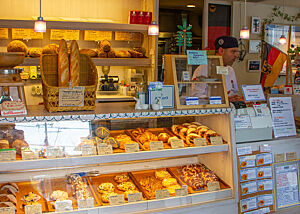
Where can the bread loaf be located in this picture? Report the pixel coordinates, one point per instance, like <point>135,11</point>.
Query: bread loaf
<point>89,52</point>
<point>63,64</point>
<point>17,46</point>
<point>74,64</point>
<point>135,54</point>
<point>123,54</point>
<point>35,52</point>
<point>105,46</point>
<point>101,53</point>
<point>111,54</point>
<point>50,49</point>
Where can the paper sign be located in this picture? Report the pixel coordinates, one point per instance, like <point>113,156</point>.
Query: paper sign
<point>244,150</point>
<point>213,186</point>
<point>85,203</point>
<point>264,158</point>
<point>135,197</point>
<point>222,70</point>
<point>214,100</point>
<point>122,36</point>
<point>247,174</point>
<point>242,122</point>
<point>65,205</point>
<point>265,200</point>
<point>196,57</point>
<point>192,101</point>
<point>71,97</point>
<point>200,142</point>
<point>247,161</point>
<point>116,199</point>
<point>248,188</point>
<point>93,35</point>
<point>186,76</point>
<point>182,191</point>
<point>253,92</point>
<point>216,140</point>
<point>20,33</point>
<point>177,144</point>
<point>104,149</point>
<point>27,154</point>
<point>132,147</point>
<point>282,116</point>
<point>265,148</point>
<point>33,209</point>
<point>88,150</point>
<point>54,152</point>
<point>264,185</point>
<point>161,194</point>
<point>291,156</point>
<point>248,204</point>
<point>7,154</point>
<point>264,172</point>
<point>64,34</point>
<point>279,157</point>
<point>157,145</point>
<point>3,33</point>
<point>7,210</point>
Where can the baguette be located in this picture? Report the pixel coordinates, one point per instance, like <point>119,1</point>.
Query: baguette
<point>74,64</point>
<point>63,64</point>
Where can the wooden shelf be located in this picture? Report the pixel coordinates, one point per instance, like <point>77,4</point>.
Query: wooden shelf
<point>101,62</point>
<point>191,82</point>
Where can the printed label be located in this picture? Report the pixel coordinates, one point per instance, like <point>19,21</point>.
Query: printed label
<point>116,199</point>
<point>132,147</point>
<point>155,146</point>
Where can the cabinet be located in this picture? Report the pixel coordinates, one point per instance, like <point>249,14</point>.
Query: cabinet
<point>64,131</point>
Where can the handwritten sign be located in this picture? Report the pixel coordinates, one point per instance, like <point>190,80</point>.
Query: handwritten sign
<point>213,186</point>
<point>195,57</point>
<point>116,199</point>
<point>28,154</point>
<point>132,147</point>
<point>278,157</point>
<point>87,150</point>
<point>182,191</point>
<point>65,205</point>
<point>216,140</point>
<point>94,35</point>
<point>177,143</point>
<point>161,194</point>
<point>291,156</point>
<point>71,97</point>
<point>54,152</point>
<point>21,33</point>
<point>157,145</point>
<point>7,210</point>
<point>3,33</point>
<point>200,142</point>
<point>104,149</point>
<point>135,197</point>
<point>7,154</point>
<point>64,34</point>
<point>85,203</point>
<point>33,209</point>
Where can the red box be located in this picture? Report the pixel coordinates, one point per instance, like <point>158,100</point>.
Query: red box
<point>140,17</point>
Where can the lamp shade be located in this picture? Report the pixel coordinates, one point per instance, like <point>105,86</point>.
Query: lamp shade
<point>282,39</point>
<point>40,25</point>
<point>245,33</point>
<point>153,29</point>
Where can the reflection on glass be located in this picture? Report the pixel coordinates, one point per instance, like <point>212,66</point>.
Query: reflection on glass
<point>274,32</point>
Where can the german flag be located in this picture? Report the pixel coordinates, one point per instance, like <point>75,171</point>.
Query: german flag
<point>272,65</point>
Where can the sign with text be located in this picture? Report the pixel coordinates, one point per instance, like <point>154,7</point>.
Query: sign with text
<point>177,143</point>
<point>7,210</point>
<point>3,33</point>
<point>161,194</point>
<point>104,149</point>
<point>253,93</point>
<point>94,35</point>
<point>85,203</point>
<point>222,70</point>
<point>116,199</point>
<point>135,197</point>
<point>33,209</point>
<point>61,206</point>
<point>195,57</point>
<point>132,147</point>
<point>56,34</point>
<point>200,142</point>
<point>155,146</point>
<point>71,97</point>
<point>7,154</point>
<point>21,33</point>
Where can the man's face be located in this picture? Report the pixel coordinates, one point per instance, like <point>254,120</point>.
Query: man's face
<point>229,55</point>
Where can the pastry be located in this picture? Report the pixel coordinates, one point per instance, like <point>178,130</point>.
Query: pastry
<point>111,141</point>
<point>121,178</point>
<point>191,137</point>
<point>111,54</point>
<point>151,184</point>
<point>140,50</point>
<point>17,46</point>
<point>8,198</point>
<point>74,64</point>
<point>138,131</point>
<point>183,133</point>
<point>79,186</point>
<point>101,53</point>
<point>202,130</point>
<point>35,52</point>
<point>146,145</point>
<point>10,188</point>
<point>31,198</point>
<point>4,144</point>
<point>135,54</point>
<point>191,130</point>
<point>169,182</point>
<point>63,65</point>
<point>50,49</point>
<point>59,195</point>
<point>123,139</point>
<point>164,137</point>
<point>17,134</point>
<point>106,187</point>
<point>122,54</point>
<point>105,46</point>
<point>105,196</point>
<point>102,132</point>
<point>196,123</point>
<point>162,174</point>
<point>210,133</point>
<point>124,186</point>
<point>89,52</point>
<point>172,138</point>
<point>8,204</point>
<point>172,188</point>
<point>19,144</point>
<point>129,192</point>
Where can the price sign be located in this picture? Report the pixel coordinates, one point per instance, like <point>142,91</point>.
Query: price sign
<point>291,156</point>
<point>33,209</point>
<point>93,35</point>
<point>71,97</point>
<point>213,186</point>
<point>279,157</point>
<point>87,150</point>
<point>177,143</point>
<point>161,194</point>
<point>132,147</point>
<point>7,210</point>
<point>135,197</point>
<point>28,154</point>
<point>104,149</point>
<point>85,203</point>
<point>157,145</point>
<point>64,34</point>
<point>7,154</point>
<point>20,33</point>
<point>65,205</point>
<point>182,191</point>
<point>222,70</point>
<point>200,142</point>
<point>54,152</point>
<point>216,140</point>
<point>116,199</point>
<point>122,36</point>
<point>3,33</point>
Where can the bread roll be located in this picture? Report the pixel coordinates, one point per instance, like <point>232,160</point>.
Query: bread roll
<point>74,64</point>
<point>17,46</point>
<point>19,144</point>
<point>135,54</point>
<point>63,64</point>
<point>89,52</point>
<point>35,52</point>
<point>101,53</point>
<point>105,46</point>
<point>50,49</point>
<point>111,54</point>
<point>123,54</point>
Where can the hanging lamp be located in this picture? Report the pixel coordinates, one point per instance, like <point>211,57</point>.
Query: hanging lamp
<point>40,24</point>
<point>245,32</point>
<point>153,28</point>
<point>282,39</point>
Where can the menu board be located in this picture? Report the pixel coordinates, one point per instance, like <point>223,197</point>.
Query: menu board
<point>21,33</point>
<point>94,35</point>
<point>64,34</point>
<point>3,33</point>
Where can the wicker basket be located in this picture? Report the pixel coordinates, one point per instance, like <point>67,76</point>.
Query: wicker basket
<point>88,79</point>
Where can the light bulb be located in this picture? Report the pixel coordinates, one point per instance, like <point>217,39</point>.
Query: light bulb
<point>245,33</point>
<point>153,29</point>
<point>282,39</point>
<point>40,25</point>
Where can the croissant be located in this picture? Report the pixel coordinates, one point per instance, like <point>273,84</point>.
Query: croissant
<point>183,133</point>
<point>208,134</point>
<point>190,138</point>
<point>191,130</point>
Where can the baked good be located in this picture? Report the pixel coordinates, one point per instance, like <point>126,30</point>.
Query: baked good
<point>138,131</point>
<point>63,64</point>
<point>135,54</point>
<point>140,50</point>
<point>17,134</point>
<point>183,133</point>
<point>123,139</point>
<point>31,198</point>
<point>172,188</point>
<point>162,174</point>
<point>50,49</point>
<point>190,138</point>
<point>176,128</point>
<point>169,182</point>
<point>8,198</point>
<point>19,144</point>
<point>102,132</point>
<point>124,186</point>
<point>10,188</point>
<point>121,178</point>
<point>210,133</point>
<point>8,204</point>
<point>17,46</point>
<point>202,130</point>
<point>111,54</point>
<point>172,138</point>
<point>191,130</point>
<point>123,54</point>
<point>164,137</point>
<point>4,144</point>
<point>105,196</point>
<point>106,187</point>
<point>146,145</point>
<point>74,64</point>
<point>35,52</point>
<point>111,141</point>
<point>105,45</point>
<point>90,142</point>
<point>196,123</point>
<point>150,185</point>
<point>101,54</point>
<point>129,192</point>
<point>59,195</point>
<point>89,52</point>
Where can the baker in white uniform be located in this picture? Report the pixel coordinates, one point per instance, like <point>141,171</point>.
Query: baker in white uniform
<point>227,47</point>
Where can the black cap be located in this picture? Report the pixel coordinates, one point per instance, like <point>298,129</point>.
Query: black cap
<point>226,42</point>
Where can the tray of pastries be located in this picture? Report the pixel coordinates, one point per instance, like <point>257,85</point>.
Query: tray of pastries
<point>196,177</point>
<point>123,137</point>
<point>151,180</point>
<point>20,194</point>
<point>71,187</point>
<point>107,185</point>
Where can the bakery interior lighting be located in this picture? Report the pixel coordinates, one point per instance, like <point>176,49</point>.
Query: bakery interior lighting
<point>245,32</point>
<point>153,28</point>
<point>191,5</point>
<point>40,24</point>
<point>282,39</point>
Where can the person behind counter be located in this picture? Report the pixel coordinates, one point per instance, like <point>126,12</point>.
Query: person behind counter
<point>227,47</point>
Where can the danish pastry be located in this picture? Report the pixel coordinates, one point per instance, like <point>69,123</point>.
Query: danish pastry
<point>124,186</point>
<point>121,178</point>
<point>169,182</point>
<point>102,132</point>
<point>162,174</point>
<point>190,138</point>
<point>106,187</point>
<point>105,196</point>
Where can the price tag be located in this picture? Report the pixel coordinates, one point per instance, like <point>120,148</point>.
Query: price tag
<point>28,154</point>
<point>216,140</point>
<point>177,143</point>
<point>222,70</point>
<point>157,145</point>
<point>85,203</point>
<point>7,154</point>
<point>3,33</point>
<point>71,97</point>
<point>88,150</point>
<point>244,150</point>
<point>279,157</point>
<point>132,147</point>
<point>186,76</point>
<point>200,142</point>
<point>265,148</point>
<point>161,194</point>
<point>116,199</point>
<point>20,33</point>
<point>182,191</point>
<point>291,156</point>
<point>64,34</point>
<point>104,149</point>
<point>93,35</point>
<point>54,152</point>
<point>65,205</point>
<point>213,186</point>
<point>33,209</point>
<point>135,197</point>
<point>7,210</point>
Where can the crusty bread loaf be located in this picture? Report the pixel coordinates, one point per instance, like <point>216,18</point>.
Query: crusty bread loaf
<point>17,46</point>
<point>136,54</point>
<point>50,49</point>
<point>35,52</point>
<point>101,53</point>
<point>89,52</point>
<point>105,46</point>
<point>74,64</point>
<point>123,54</point>
<point>63,64</point>
<point>111,54</point>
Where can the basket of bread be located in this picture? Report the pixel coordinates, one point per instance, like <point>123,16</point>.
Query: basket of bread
<point>68,70</point>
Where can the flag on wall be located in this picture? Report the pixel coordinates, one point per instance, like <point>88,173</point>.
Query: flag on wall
<point>272,65</point>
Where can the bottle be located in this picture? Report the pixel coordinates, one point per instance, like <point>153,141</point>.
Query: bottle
<point>141,93</point>
<point>148,19</point>
<point>140,18</point>
<point>133,18</point>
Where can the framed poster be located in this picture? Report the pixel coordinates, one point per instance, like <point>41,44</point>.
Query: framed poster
<point>254,46</point>
<point>286,180</point>
<point>254,65</point>
<point>255,25</point>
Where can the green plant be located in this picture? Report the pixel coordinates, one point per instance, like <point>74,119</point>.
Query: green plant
<point>278,12</point>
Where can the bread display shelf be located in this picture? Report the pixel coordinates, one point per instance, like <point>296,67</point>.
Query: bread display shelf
<point>197,82</point>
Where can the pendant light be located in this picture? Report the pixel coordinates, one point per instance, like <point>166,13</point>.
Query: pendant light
<point>40,24</point>
<point>245,32</point>
<point>153,29</point>
<point>282,39</point>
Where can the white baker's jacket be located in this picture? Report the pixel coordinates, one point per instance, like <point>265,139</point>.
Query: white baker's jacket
<point>200,90</point>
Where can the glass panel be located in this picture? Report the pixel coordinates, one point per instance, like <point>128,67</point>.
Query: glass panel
<point>273,33</point>
<point>295,47</point>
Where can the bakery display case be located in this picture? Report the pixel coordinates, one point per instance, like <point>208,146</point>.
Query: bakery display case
<point>77,161</point>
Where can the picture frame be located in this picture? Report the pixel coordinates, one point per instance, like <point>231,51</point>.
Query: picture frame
<point>254,46</point>
<point>254,65</point>
<point>255,25</point>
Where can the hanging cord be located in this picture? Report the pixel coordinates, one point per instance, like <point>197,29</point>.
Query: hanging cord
<point>154,10</point>
<point>40,8</point>
<point>245,13</point>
